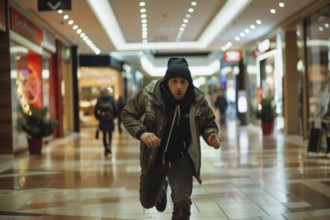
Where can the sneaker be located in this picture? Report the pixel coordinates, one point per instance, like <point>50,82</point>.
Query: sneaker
<point>107,151</point>
<point>162,202</point>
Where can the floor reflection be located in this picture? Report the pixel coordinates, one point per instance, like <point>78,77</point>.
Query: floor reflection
<point>251,177</point>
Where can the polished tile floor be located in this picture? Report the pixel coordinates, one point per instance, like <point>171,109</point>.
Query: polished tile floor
<point>252,177</point>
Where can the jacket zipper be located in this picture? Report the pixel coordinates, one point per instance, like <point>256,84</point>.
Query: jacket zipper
<point>177,109</point>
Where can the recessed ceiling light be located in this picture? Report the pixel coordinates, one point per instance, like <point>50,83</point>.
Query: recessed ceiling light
<point>144,21</point>
<point>258,21</point>
<point>185,21</point>
<point>273,11</point>
<point>281,4</point>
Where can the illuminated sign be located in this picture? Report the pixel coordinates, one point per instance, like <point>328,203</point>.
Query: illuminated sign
<point>25,27</point>
<point>264,45</point>
<point>232,56</point>
<point>54,5</point>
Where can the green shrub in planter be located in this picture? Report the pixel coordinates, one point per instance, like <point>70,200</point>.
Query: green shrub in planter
<point>36,123</point>
<point>267,113</point>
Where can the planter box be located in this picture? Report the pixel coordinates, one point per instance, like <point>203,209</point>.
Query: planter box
<point>267,127</point>
<point>35,145</point>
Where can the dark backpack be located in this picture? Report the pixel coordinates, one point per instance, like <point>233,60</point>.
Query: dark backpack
<point>104,110</point>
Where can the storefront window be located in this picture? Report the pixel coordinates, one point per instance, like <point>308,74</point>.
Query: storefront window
<point>26,83</point>
<point>318,62</point>
<point>270,76</point>
<point>46,73</point>
<point>91,81</point>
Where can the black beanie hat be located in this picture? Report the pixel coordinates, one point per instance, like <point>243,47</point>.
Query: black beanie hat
<point>177,67</point>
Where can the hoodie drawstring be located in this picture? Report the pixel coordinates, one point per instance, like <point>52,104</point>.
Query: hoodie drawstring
<point>177,110</point>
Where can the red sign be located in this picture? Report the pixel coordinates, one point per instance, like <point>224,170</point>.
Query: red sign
<point>3,12</point>
<point>232,56</point>
<point>259,95</point>
<point>29,80</point>
<point>25,27</point>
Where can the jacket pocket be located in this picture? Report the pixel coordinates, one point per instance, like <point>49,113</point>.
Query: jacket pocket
<point>146,155</point>
<point>150,121</point>
<point>200,120</point>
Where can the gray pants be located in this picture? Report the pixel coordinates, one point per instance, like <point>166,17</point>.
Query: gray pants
<point>180,176</point>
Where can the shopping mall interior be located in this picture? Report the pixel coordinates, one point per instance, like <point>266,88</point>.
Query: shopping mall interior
<point>59,55</point>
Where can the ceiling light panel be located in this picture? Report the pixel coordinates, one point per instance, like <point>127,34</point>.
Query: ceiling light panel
<point>165,19</point>
<point>185,21</point>
<point>262,22</point>
<point>79,33</point>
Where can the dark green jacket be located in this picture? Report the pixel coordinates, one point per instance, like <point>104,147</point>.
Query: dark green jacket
<point>146,111</point>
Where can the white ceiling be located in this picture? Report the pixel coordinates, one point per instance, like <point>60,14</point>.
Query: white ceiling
<point>212,24</point>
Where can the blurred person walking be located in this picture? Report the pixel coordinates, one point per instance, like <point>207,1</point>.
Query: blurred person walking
<point>222,104</point>
<point>105,111</point>
<point>120,105</point>
<point>168,117</point>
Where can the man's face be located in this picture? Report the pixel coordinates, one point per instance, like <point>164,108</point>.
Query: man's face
<point>178,87</point>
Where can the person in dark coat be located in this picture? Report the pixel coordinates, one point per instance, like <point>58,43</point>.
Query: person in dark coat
<point>120,104</point>
<point>222,104</point>
<point>169,117</point>
<point>106,123</point>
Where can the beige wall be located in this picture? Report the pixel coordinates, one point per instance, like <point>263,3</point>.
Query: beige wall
<point>67,94</point>
<point>290,85</point>
<point>101,77</point>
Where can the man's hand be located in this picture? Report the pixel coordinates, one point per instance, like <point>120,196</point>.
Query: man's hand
<point>150,139</point>
<point>214,141</point>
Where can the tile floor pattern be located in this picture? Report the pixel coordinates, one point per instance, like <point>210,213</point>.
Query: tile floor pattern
<point>252,177</point>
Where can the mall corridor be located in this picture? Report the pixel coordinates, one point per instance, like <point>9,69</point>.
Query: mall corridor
<point>252,177</point>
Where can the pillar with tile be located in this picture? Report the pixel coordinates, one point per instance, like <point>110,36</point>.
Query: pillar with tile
<point>6,127</point>
<point>290,84</point>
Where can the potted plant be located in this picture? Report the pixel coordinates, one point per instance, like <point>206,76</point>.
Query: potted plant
<point>266,112</point>
<point>36,124</point>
